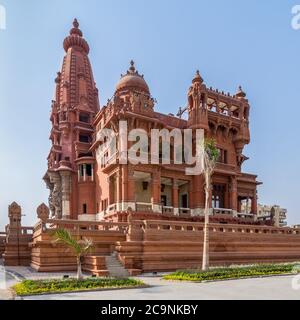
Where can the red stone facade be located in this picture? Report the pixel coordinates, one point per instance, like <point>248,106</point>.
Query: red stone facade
<point>88,187</point>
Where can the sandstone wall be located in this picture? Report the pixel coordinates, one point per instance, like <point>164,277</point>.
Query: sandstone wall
<point>167,246</point>
<point>48,255</point>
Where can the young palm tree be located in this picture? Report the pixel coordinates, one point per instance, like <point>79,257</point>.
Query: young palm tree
<point>210,155</point>
<point>79,247</point>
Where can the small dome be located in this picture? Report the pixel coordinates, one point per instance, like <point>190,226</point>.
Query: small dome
<point>132,80</point>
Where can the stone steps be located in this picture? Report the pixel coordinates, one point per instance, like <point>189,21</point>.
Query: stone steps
<point>115,268</point>
<point>104,266</point>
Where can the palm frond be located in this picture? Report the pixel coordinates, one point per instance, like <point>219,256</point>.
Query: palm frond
<point>64,236</point>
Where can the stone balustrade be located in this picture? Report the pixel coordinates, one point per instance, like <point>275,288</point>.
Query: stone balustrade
<point>52,224</point>
<point>215,227</point>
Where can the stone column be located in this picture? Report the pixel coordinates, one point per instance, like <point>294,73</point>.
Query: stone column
<point>175,197</point>
<point>198,195</point>
<point>254,203</point>
<point>131,196</point>
<point>156,190</point>
<point>119,191</point>
<point>124,187</point>
<point>233,194</point>
<point>84,172</point>
<point>111,190</point>
<point>65,193</point>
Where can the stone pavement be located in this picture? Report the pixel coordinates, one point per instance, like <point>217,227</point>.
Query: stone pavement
<point>12,275</point>
<point>271,288</point>
<point>274,288</point>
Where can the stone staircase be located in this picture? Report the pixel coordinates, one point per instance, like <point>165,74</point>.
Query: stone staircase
<point>114,267</point>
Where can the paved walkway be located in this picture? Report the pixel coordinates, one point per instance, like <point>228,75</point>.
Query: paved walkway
<point>12,275</point>
<point>279,287</point>
<point>273,288</point>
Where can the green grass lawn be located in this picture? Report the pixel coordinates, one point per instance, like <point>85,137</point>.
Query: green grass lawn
<point>234,272</point>
<point>32,287</point>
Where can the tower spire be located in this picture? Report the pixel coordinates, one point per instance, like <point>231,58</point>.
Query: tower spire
<point>75,30</point>
<point>73,110</point>
<point>75,39</point>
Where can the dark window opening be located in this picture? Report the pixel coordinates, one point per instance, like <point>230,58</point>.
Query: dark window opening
<point>164,200</point>
<point>184,201</point>
<point>222,156</point>
<point>83,117</point>
<point>89,170</point>
<point>84,208</point>
<point>218,196</point>
<point>81,155</point>
<point>63,116</point>
<point>84,138</point>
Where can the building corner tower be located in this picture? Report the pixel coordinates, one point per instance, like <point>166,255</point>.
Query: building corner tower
<point>70,174</point>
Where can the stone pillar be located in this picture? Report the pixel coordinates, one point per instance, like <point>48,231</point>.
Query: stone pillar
<point>14,214</point>
<point>124,187</point>
<point>254,203</point>
<point>111,190</point>
<point>92,170</point>
<point>233,194</point>
<point>198,195</point>
<point>131,196</point>
<point>65,193</point>
<point>119,190</point>
<point>156,190</point>
<point>84,172</point>
<point>239,209</point>
<point>175,197</point>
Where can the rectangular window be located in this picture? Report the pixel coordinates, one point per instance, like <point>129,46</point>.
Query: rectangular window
<point>84,117</point>
<point>84,208</point>
<point>84,138</point>
<point>89,170</point>
<point>222,156</point>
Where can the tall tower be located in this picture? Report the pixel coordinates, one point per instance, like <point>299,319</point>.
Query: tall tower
<point>70,174</point>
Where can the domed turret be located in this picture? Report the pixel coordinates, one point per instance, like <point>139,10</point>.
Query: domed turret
<point>132,80</point>
<point>75,39</point>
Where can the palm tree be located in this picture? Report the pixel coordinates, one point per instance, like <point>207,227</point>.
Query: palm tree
<point>210,157</point>
<point>79,247</point>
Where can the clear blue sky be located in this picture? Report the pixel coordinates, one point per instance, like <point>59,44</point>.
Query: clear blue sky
<point>232,42</point>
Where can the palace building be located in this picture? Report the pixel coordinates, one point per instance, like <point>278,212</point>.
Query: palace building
<point>144,216</point>
<point>85,187</point>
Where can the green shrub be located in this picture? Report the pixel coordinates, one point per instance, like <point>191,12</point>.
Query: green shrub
<point>28,287</point>
<point>232,272</point>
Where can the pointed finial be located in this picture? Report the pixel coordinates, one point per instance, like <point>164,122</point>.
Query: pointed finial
<point>132,67</point>
<point>240,93</point>
<point>75,30</point>
<point>75,23</point>
<point>197,77</point>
